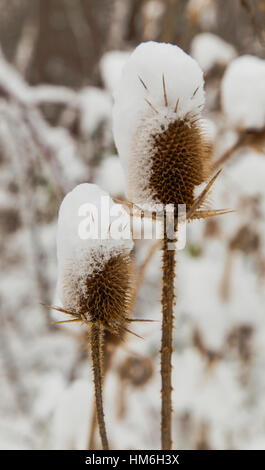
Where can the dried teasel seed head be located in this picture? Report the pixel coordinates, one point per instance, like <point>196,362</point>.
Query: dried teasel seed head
<point>179,163</point>
<point>106,294</point>
<point>159,133</point>
<point>95,279</point>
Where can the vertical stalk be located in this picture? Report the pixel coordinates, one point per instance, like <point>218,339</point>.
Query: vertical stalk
<point>96,353</point>
<point>92,430</point>
<point>169,263</point>
<point>106,360</point>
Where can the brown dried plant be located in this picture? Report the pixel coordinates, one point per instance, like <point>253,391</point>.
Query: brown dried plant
<point>106,311</point>
<point>113,341</point>
<point>106,307</point>
<point>181,160</point>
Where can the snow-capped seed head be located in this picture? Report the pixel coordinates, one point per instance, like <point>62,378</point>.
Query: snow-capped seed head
<point>157,125</point>
<point>95,276</point>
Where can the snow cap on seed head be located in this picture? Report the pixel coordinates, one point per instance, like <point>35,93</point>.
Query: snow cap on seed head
<point>82,259</point>
<point>160,90</point>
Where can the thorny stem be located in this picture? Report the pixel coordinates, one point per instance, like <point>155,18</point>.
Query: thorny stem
<point>107,356</point>
<point>168,296</point>
<point>96,353</point>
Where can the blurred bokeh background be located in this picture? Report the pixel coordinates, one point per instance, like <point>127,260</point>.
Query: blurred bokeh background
<point>60,61</point>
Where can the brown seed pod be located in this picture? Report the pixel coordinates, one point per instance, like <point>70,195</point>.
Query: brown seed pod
<point>105,295</point>
<point>181,161</point>
<point>177,158</point>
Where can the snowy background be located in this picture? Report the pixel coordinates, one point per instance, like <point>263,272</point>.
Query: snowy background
<point>59,64</point>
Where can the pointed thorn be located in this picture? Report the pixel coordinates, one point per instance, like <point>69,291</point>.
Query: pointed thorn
<point>142,82</point>
<point>198,202</point>
<point>176,107</point>
<point>194,93</point>
<point>58,309</point>
<point>132,333</point>
<point>151,106</point>
<point>65,321</point>
<point>210,213</point>
<point>141,320</point>
<point>164,90</point>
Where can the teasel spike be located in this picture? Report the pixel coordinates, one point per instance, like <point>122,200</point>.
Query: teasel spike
<point>177,105</point>
<point>201,198</point>
<point>132,333</point>
<point>141,320</point>
<point>151,105</point>
<point>142,82</point>
<point>58,309</point>
<point>206,214</point>
<point>194,93</point>
<point>164,90</point>
<point>65,321</point>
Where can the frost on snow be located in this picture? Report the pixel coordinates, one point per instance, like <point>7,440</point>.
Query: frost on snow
<point>78,256</point>
<point>243,92</point>
<point>141,108</point>
<point>209,50</point>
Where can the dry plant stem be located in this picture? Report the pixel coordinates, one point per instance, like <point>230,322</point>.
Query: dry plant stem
<point>169,263</point>
<point>96,353</point>
<point>93,428</point>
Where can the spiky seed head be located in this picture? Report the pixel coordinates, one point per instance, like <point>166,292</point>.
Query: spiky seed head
<point>95,279</point>
<point>158,128</point>
<point>180,163</point>
<point>106,294</point>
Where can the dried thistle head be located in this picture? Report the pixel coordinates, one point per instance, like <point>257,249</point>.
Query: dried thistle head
<point>95,281</point>
<point>180,162</point>
<point>105,295</point>
<point>158,129</point>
